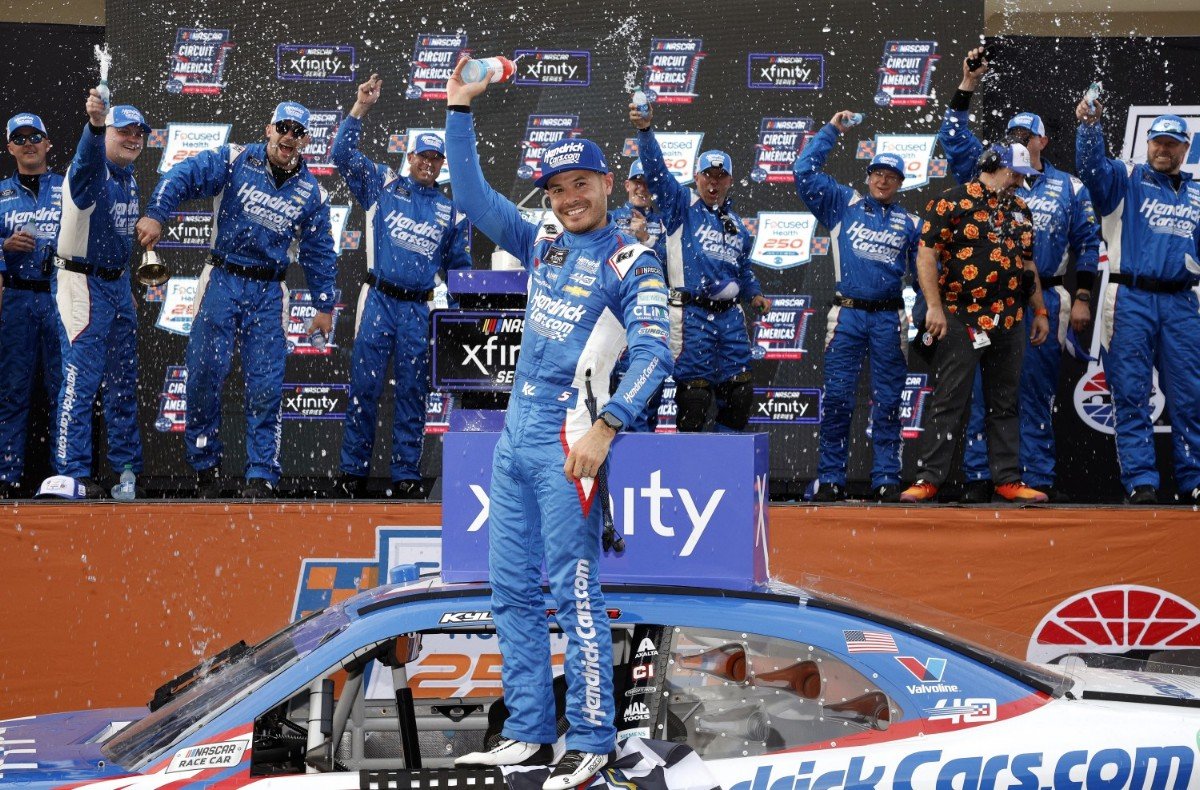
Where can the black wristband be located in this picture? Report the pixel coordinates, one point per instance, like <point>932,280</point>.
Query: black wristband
<point>961,100</point>
<point>96,129</point>
<point>459,108</point>
<point>1085,281</point>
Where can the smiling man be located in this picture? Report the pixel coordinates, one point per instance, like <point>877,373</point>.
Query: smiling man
<point>267,200</point>
<point>30,212</point>
<point>592,289</point>
<point>413,234</point>
<point>1150,214</point>
<point>875,246</point>
<point>98,319</point>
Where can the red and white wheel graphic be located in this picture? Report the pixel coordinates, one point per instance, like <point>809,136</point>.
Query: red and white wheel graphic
<point>1115,620</point>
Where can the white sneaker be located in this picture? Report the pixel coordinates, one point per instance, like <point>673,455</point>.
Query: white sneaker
<point>510,752</point>
<point>574,769</point>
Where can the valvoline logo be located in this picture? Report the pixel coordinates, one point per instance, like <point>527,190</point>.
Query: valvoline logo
<point>928,671</point>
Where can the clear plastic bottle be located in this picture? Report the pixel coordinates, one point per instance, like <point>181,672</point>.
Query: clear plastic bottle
<point>317,339</point>
<point>1093,94</point>
<point>497,69</point>
<point>126,489</point>
<point>641,101</point>
<point>854,120</point>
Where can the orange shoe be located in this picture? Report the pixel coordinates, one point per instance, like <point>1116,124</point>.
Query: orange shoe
<point>1020,493</point>
<point>919,491</point>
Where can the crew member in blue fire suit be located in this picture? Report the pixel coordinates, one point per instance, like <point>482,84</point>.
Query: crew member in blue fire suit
<point>267,200</point>
<point>97,316</point>
<point>1064,225</point>
<point>708,270</point>
<point>413,233</point>
<point>30,212</point>
<point>1151,214</point>
<point>544,499</point>
<point>641,219</point>
<point>875,245</point>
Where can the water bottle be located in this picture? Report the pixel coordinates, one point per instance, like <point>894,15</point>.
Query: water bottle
<point>317,339</point>
<point>854,120</point>
<point>29,228</point>
<point>641,102</point>
<point>1093,93</point>
<point>126,490</point>
<point>497,69</point>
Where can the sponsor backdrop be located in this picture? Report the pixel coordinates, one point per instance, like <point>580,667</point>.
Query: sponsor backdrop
<point>1104,580</point>
<point>220,67</point>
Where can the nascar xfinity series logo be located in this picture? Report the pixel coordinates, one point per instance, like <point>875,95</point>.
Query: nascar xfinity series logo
<point>785,71</point>
<point>555,68</point>
<point>315,401</point>
<point>315,62</point>
<point>188,231</point>
<point>786,406</point>
<point>476,350</point>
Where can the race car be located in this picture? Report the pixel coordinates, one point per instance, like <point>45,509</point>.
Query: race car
<point>770,689</point>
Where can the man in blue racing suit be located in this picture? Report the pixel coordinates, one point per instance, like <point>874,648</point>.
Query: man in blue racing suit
<point>544,499</point>
<point>708,270</point>
<point>641,219</point>
<point>267,201</point>
<point>30,212</point>
<point>1151,214</point>
<point>413,233</point>
<point>875,245</point>
<point>1064,225</point>
<point>97,315</point>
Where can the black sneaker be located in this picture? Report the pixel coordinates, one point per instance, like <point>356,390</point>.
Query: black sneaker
<point>407,489</point>
<point>888,492</point>
<point>208,483</point>
<point>510,752</point>
<point>976,492</point>
<point>1054,495</point>
<point>829,492</point>
<point>259,488</point>
<point>91,489</point>
<point>349,486</point>
<point>1142,495</point>
<point>575,769</point>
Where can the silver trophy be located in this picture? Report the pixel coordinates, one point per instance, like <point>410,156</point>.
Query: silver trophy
<point>152,270</point>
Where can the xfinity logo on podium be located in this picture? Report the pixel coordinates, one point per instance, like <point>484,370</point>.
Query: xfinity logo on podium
<point>683,517</point>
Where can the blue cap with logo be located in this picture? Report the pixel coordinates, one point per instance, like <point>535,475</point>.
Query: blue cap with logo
<point>26,120</point>
<point>572,154</point>
<point>893,162</point>
<point>1169,126</point>
<point>1027,120</point>
<point>291,111</point>
<point>714,158</point>
<point>428,141</point>
<point>125,115</point>
<point>636,170</point>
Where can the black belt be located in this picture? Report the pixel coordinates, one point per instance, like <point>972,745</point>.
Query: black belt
<point>395,291</point>
<point>711,305</point>
<point>1152,284</point>
<point>86,268</point>
<point>870,305</point>
<point>262,273</point>
<point>1052,282</point>
<point>22,284</point>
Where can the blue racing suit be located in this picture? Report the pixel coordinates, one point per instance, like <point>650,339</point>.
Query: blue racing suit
<point>412,233</point>
<point>656,240</point>
<point>29,319</point>
<point>241,298</point>
<point>705,246</point>
<point>572,338</point>
<point>874,247</point>
<point>1063,223</point>
<point>97,316</point>
<point>1150,311</point>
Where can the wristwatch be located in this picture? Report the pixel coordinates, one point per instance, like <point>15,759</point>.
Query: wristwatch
<point>611,421</point>
<point>1084,297</point>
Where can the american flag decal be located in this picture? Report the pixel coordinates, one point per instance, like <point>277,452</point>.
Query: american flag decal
<point>870,642</point>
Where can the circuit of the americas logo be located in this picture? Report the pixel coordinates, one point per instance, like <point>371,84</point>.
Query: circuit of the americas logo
<point>672,68</point>
<point>781,333</point>
<point>913,398</point>
<point>906,73</point>
<point>172,401</point>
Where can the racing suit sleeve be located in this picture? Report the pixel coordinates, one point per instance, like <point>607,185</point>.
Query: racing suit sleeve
<point>1084,233</point>
<point>1106,179</point>
<point>962,147</point>
<point>202,175</point>
<point>317,257</point>
<point>87,172</point>
<point>363,176</point>
<point>486,208</point>
<point>818,190</point>
<point>671,197</point>
<point>646,331</point>
<point>456,252</point>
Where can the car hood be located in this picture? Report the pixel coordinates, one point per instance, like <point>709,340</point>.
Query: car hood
<point>1123,685</point>
<point>61,747</point>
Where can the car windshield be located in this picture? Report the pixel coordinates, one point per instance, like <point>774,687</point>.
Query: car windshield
<point>143,740</point>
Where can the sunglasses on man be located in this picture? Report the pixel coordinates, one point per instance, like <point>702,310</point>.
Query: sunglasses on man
<point>23,139</point>
<point>292,128</point>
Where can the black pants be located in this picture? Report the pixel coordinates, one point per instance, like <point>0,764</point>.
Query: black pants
<point>954,363</point>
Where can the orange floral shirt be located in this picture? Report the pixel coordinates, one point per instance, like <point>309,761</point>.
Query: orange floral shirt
<point>981,238</point>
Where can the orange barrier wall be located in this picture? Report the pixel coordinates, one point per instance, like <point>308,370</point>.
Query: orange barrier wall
<point>102,603</point>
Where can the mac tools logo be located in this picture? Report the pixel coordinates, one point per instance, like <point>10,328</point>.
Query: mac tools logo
<point>314,63</point>
<point>906,73</point>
